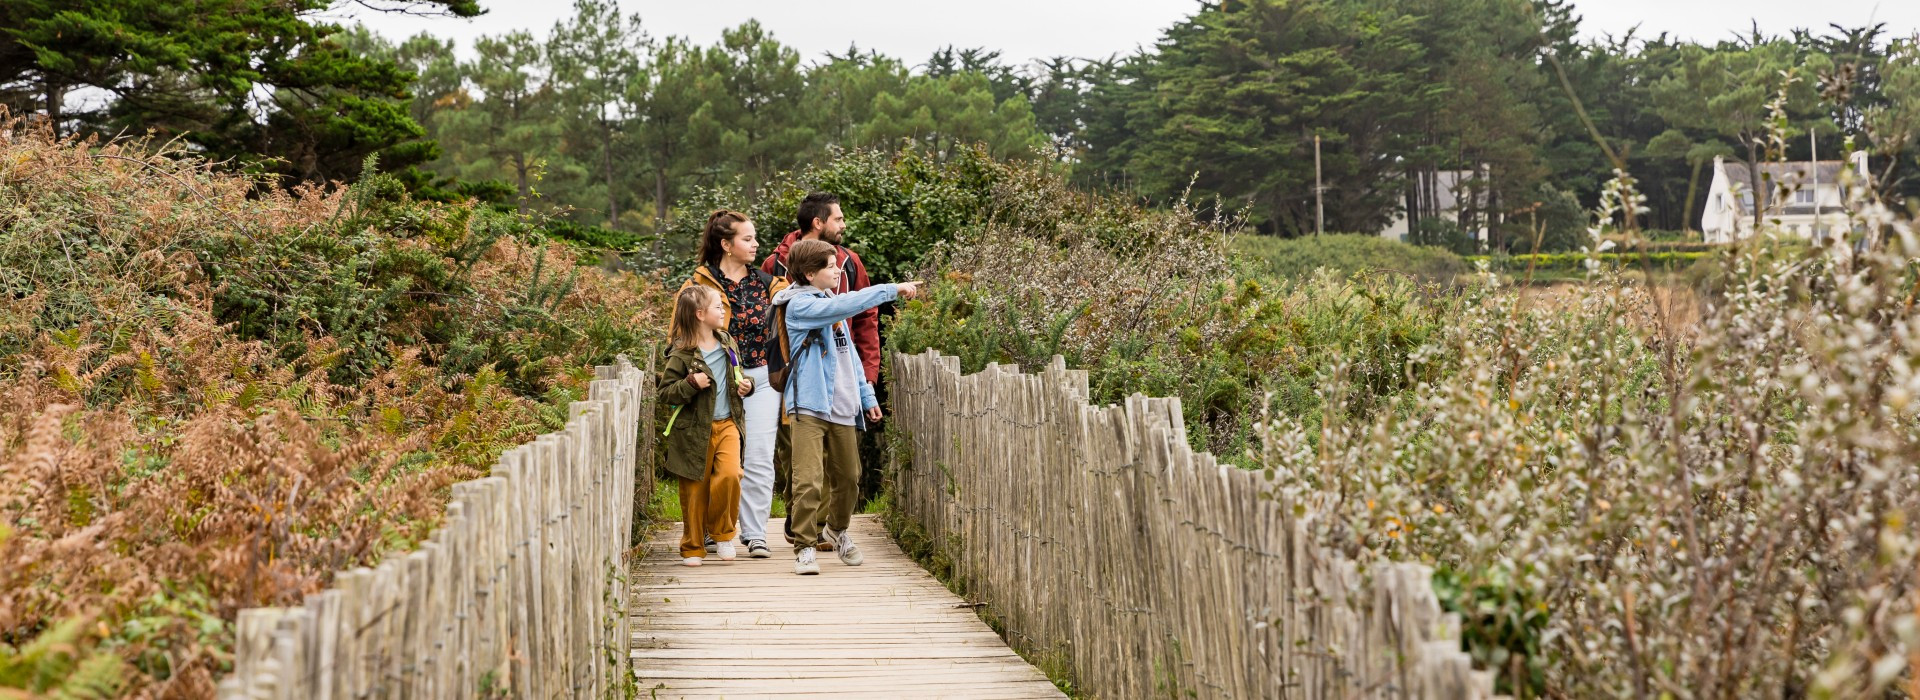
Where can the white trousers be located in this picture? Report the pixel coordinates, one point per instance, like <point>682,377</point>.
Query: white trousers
<point>756,457</point>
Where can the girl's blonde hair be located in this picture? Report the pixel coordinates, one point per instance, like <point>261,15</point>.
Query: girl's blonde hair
<point>686,310</point>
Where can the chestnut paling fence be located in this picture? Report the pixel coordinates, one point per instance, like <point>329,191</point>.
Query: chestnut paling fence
<point>1095,533</point>
<point>1092,532</point>
<point>521,593</point>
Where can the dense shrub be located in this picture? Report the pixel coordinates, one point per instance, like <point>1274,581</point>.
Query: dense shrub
<point>1625,504</point>
<point>1170,321</point>
<point>1445,234</point>
<point>1345,254</point>
<point>213,399</point>
<point>903,206</point>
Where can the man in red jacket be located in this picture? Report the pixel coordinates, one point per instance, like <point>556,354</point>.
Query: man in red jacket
<point>820,217</point>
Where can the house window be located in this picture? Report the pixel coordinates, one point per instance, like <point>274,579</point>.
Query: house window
<point>1746,200</point>
<point>1803,196</point>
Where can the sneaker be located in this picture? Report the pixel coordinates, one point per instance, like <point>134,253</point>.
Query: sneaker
<point>711,545</point>
<point>758,549</point>
<point>690,561</point>
<point>726,550</point>
<point>804,564</point>
<point>843,545</point>
<point>820,541</point>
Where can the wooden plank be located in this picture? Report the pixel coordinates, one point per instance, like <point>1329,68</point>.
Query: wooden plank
<point>885,628</point>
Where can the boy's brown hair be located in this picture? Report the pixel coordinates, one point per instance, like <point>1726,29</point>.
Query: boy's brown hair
<point>808,257</point>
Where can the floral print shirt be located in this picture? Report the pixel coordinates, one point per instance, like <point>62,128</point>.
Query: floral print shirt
<point>749,302</point>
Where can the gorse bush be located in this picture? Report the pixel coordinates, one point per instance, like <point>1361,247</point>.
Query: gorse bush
<point>213,396</point>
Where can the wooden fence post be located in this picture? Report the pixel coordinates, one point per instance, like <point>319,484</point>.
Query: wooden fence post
<point>521,591</point>
<point>1097,533</point>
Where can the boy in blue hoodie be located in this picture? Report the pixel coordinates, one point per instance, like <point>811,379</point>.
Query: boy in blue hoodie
<point>828,397</point>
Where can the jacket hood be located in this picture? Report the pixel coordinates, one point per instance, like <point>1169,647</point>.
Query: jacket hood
<point>787,294</point>
<point>780,251</point>
<point>704,275</point>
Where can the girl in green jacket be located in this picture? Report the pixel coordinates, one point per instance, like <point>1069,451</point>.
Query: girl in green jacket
<point>703,383</point>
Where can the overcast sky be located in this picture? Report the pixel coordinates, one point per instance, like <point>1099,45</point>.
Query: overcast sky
<point>1024,30</point>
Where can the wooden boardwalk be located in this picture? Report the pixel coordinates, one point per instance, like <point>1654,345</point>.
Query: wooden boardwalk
<point>751,628</point>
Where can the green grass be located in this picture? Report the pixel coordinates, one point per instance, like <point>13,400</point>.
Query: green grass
<point>666,503</point>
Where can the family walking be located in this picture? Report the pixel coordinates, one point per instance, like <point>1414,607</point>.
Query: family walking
<point>773,363</point>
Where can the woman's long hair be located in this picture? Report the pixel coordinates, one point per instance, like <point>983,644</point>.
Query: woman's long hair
<point>686,314</point>
<point>721,225</point>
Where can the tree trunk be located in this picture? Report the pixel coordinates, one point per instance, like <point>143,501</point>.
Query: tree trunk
<point>1410,192</point>
<point>659,197</point>
<point>613,196</point>
<point>56,97</point>
<point>1433,190</point>
<point>1753,177</point>
<point>1495,236</point>
<point>1693,187</point>
<point>520,174</point>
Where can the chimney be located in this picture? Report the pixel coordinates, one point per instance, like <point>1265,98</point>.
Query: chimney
<point>1859,159</point>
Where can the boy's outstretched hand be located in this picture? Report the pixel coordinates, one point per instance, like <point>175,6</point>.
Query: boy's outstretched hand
<point>909,290</point>
<point>699,380</point>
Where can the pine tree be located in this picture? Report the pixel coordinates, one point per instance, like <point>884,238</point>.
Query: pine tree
<point>756,119</point>
<point>503,122</point>
<point>594,55</point>
<point>666,95</point>
<point>262,81</point>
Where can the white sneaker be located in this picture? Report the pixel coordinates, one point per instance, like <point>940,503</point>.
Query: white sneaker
<point>804,564</point>
<point>690,561</point>
<point>726,550</point>
<point>843,546</point>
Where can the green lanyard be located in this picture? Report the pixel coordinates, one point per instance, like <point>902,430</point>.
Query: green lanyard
<point>733,363</point>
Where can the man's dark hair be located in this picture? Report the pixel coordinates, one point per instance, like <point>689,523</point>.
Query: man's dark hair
<point>818,205</point>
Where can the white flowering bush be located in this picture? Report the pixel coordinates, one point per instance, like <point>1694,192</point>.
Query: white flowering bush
<point>1621,504</point>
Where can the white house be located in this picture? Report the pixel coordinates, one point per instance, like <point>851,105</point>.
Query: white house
<point>1449,189</point>
<point>1815,206</point>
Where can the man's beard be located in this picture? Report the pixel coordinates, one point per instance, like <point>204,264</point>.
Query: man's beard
<point>833,238</point>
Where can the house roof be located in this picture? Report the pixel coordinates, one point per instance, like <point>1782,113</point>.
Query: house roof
<point>1773,175</point>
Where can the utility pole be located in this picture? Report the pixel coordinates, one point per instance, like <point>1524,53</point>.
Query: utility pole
<point>1814,166</point>
<point>1319,207</point>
